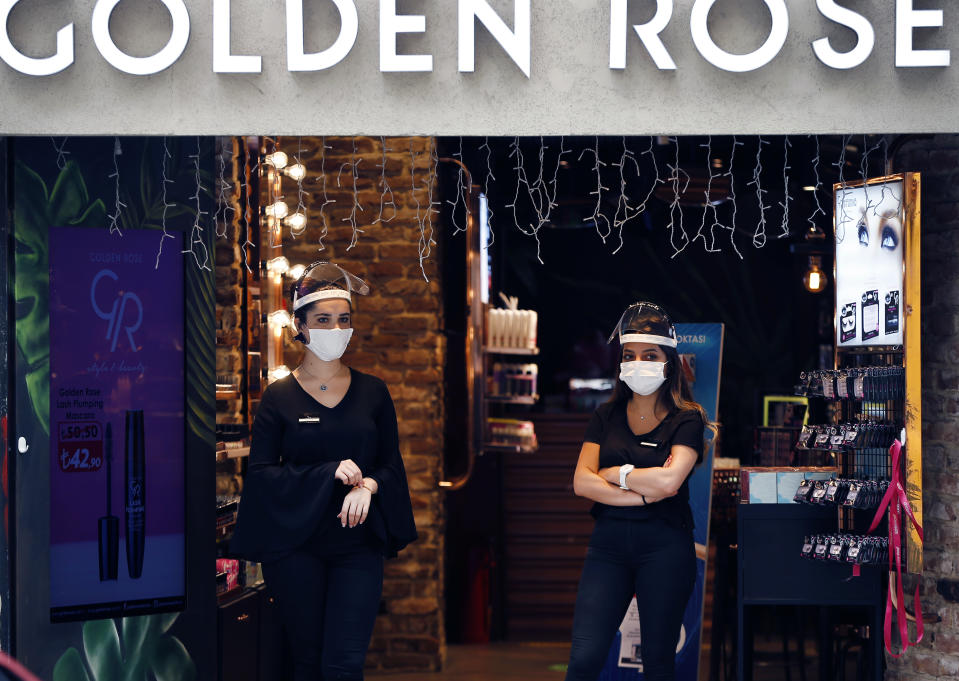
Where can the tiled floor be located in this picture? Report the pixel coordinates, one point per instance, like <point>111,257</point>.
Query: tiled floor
<point>496,662</point>
<point>547,662</point>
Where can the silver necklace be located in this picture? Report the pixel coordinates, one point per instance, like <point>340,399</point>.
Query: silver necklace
<point>323,384</point>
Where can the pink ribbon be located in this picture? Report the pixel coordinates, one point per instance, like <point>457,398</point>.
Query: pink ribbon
<point>897,502</point>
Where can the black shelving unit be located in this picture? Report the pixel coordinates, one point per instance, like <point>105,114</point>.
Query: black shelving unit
<point>771,573</point>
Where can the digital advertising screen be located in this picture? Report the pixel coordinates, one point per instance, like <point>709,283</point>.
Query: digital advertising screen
<point>117,437</point>
<point>870,240</point>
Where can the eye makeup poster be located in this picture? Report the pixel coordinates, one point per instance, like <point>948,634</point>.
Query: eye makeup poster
<point>869,223</point>
<point>117,436</point>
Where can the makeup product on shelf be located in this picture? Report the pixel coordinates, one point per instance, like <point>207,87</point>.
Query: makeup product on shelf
<point>847,323</point>
<point>511,329</point>
<point>108,530</point>
<point>135,492</point>
<point>870,314</point>
<point>892,313</point>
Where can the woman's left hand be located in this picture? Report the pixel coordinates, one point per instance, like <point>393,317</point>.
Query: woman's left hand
<point>356,506</point>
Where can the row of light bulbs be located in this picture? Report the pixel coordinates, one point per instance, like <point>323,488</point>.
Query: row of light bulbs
<point>280,266</point>
<point>279,210</point>
<point>277,268</point>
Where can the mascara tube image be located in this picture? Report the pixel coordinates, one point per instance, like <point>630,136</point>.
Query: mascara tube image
<point>135,493</point>
<point>109,525</point>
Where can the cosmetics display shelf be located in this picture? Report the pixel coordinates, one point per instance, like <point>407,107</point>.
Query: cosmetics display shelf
<point>510,351</point>
<point>234,453</point>
<point>864,392</point>
<point>514,399</point>
<point>506,448</point>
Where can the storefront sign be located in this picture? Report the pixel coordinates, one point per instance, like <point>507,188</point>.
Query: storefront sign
<point>516,41</point>
<point>498,66</point>
<point>117,425</point>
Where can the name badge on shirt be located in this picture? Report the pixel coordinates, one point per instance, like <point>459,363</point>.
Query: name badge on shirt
<point>309,418</point>
<point>649,443</point>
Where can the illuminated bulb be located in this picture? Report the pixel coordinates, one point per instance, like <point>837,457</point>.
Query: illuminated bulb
<point>278,265</point>
<point>296,172</point>
<point>279,318</point>
<point>296,221</point>
<point>277,159</point>
<point>296,271</point>
<point>278,210</point>
<point>809,188</point>
<point>279,372</point>
<point>815,279</point>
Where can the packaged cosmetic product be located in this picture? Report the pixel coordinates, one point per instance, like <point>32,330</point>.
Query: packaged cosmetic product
<point>847,323</point>
<point>892,313</point>
<point>497,382</point>
<point>870,314</point>
<point>135,492</point>
<point>232,569</point>
<point>108,532</point>
<point>787,483</point>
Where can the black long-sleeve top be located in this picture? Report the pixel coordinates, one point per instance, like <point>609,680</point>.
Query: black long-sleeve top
<point>618,445</point>
<point>290,496</point>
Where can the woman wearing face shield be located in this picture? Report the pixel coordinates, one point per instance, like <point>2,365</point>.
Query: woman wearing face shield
<point>639,451</point>
<point>325,498</point>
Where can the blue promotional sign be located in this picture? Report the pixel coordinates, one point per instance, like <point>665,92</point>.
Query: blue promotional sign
<point>701,350</point>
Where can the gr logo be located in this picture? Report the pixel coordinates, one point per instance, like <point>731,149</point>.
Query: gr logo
<point>125,314</point>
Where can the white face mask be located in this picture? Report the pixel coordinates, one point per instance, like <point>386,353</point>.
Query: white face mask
<point>643,378</point>
<point>329,344</point>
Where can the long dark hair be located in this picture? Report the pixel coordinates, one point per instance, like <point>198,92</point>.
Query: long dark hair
<point>675,394</point>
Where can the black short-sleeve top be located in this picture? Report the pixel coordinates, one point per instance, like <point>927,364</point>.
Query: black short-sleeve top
<point>618,445</point>
<point>290,496</point>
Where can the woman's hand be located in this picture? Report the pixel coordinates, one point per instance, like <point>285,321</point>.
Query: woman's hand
<point>610,475</point>
<point>348,473</point>
<point>356,507</point>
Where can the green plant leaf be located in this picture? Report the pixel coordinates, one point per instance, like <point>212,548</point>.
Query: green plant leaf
<point>137,631</point>
<point>69,197</point>
<point>172,662</point>
<point>166,621</point>
<point>70,667</point>
<point>32,196</point>
<point>101,642</point>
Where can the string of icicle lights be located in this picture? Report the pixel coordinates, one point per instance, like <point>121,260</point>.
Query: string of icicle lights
<point>698,205</point>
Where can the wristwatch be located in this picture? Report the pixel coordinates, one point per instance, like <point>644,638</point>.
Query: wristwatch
<point>623,472</point>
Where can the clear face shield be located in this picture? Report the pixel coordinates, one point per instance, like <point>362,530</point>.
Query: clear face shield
<point>324,281</point>
<point>645,322</point>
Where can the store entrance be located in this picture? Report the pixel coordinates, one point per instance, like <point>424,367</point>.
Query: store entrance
<point>726,230</point>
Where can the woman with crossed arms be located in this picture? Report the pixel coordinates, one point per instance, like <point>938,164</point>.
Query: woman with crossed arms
<point>639,451</point>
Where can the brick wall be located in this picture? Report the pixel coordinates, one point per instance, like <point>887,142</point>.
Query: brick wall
<point>938,655</point>
<point>397,338</point>
<point>229,294</point>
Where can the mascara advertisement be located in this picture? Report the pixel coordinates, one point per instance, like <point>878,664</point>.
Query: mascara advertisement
<point>869,264</point>
<point>117,424</point>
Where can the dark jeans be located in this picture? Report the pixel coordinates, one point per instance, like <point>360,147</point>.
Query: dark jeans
<point>328,607</point>
<point>654,559</point>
